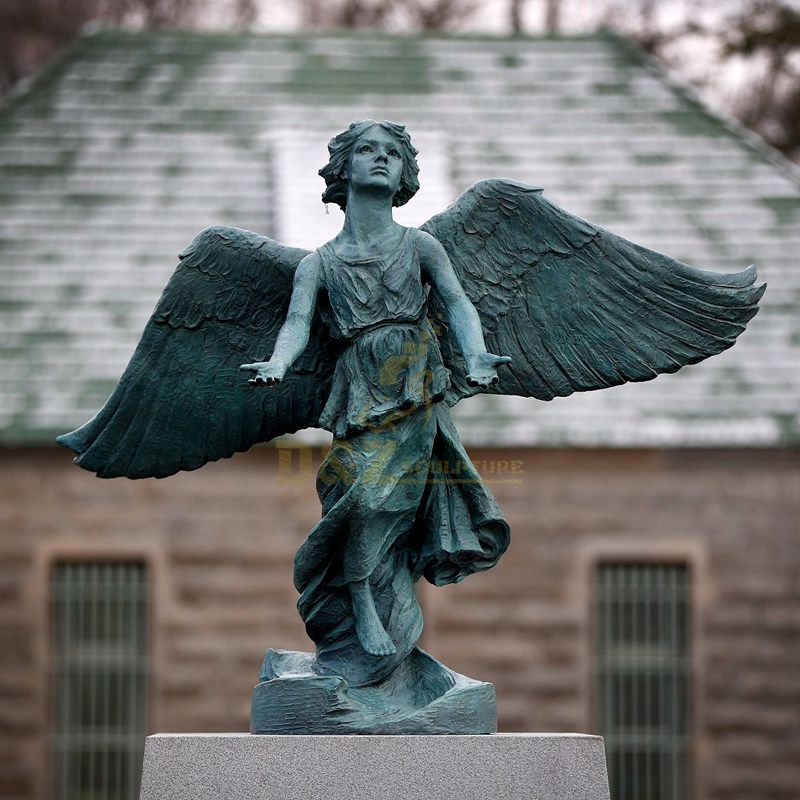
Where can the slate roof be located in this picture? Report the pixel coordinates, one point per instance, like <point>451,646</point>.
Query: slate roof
<point>122,151</point>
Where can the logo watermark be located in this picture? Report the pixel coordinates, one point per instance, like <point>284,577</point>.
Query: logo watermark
<point>302,463</point>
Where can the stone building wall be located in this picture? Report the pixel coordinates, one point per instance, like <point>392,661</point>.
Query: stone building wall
<point>220,542</point>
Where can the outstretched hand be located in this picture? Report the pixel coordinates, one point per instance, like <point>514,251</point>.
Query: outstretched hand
<point>268,373</point>
<point>482,369</point>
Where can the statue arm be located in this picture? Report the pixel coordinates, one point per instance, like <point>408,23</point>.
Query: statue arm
<point>293,336</point>
<point>461,313</point>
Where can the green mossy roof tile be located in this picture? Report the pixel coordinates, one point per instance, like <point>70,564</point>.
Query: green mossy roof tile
<point>123,148</point>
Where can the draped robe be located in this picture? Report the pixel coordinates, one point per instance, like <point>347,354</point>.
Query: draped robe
<point>400,498</point>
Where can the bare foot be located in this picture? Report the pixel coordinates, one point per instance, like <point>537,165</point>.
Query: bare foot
<point>370,631</point>
<point>375,640</point>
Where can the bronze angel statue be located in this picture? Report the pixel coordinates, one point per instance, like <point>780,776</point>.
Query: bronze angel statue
<point>373,337</point>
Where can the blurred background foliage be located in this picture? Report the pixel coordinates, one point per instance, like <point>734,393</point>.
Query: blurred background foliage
<point>742,55</point>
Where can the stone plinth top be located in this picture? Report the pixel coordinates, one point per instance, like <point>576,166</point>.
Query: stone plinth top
<point>540,766</point>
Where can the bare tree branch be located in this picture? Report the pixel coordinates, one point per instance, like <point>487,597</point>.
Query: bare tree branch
<point>552,16</point>
<point>31,31</point>
<point>515,15</point>
<point>438,14</point>
<point>767,34</point>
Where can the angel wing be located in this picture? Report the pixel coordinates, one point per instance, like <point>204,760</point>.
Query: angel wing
<point>576,307</point>
<point>182,400</point>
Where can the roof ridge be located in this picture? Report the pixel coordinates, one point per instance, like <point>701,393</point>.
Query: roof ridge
<point>50,70</point>
<point>355,33</point>
<point>683,89</point>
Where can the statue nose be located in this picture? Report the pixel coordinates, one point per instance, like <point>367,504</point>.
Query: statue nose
<point>382,156</point>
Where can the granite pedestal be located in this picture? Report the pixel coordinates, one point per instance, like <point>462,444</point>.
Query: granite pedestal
<point>536,766</point>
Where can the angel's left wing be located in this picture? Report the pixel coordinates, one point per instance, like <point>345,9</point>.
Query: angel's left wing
<point>576,307</point>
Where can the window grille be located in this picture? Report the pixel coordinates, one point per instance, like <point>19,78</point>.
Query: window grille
<point>642,678</point>
<point>99,678</point>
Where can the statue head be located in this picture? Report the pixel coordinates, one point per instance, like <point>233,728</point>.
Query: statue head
<point>340,149</point>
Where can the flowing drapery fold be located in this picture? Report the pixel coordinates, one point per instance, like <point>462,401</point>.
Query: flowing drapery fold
<point>399,502</point>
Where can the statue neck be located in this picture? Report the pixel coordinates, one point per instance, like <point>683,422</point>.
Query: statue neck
<point>367,218</point>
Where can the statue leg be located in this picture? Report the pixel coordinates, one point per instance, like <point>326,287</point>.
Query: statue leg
<point>371,633</point>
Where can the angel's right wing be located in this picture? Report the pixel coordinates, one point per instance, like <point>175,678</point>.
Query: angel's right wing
<point>182,400</point>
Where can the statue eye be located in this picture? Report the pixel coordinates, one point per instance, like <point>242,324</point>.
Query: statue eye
<point>394,152</point>
<point>365,148</point>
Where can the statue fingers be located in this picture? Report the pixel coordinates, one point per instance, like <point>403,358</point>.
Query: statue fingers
<point>264,380</point>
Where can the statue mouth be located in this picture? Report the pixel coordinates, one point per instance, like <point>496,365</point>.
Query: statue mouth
<point>379,171</point>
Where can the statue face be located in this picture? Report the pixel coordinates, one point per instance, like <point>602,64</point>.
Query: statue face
<point>375,162</point>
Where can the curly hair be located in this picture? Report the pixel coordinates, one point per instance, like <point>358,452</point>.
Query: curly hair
<point>340,148</point>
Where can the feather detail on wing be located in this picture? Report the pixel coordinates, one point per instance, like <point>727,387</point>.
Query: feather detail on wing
<point>182,400</point>
<point>576,307</point>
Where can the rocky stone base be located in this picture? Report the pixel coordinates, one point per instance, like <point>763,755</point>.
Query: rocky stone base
<point>421,696</point>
